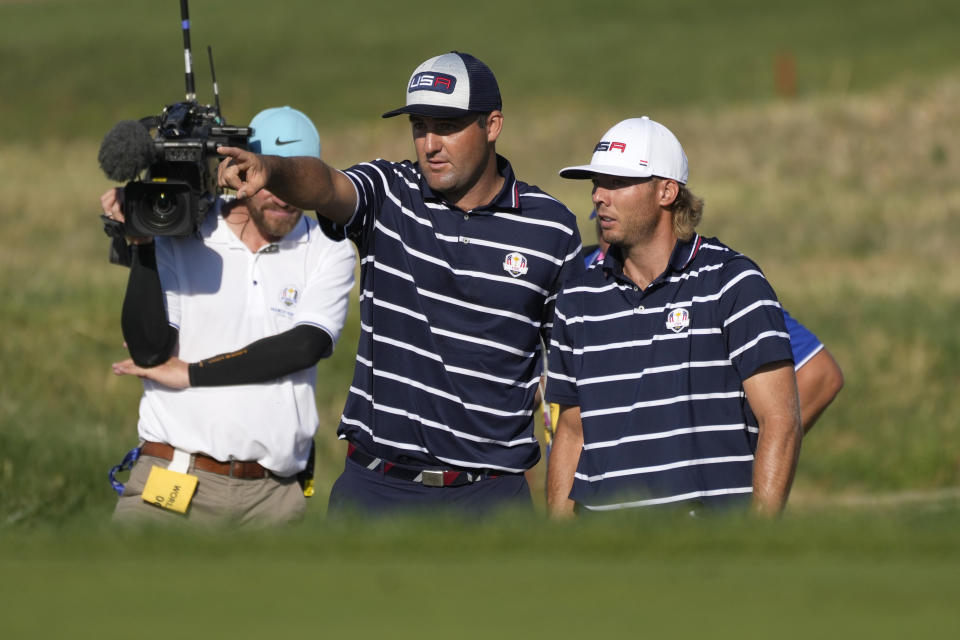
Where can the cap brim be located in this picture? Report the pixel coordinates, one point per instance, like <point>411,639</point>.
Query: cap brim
<point>428,110</point>
<point>587,171</point>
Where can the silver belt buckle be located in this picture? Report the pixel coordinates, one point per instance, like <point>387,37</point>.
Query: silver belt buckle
<point>432,478</point>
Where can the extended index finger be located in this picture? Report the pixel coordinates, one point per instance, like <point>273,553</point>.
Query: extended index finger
<point>232,152</point>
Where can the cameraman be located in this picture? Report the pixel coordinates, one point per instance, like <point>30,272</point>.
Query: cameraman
<point>259,285</point>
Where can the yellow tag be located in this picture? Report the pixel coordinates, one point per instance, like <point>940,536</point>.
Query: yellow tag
<point>551,430</point>
<point>169,489</point>
<point>308,488</point>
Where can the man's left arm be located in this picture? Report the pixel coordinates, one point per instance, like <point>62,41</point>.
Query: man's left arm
<point>819,378</point>
<point>772,394</point>
<point>321,314</point>
<point>819,381</point>
<point>261,361</point>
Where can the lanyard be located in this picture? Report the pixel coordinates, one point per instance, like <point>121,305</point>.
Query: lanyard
<point>125,465</point>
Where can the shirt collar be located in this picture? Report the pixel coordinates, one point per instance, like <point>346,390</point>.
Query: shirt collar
<point>298,235</point>
<point>684,251</point>
<point>508,199</point>
<point>214,228</point>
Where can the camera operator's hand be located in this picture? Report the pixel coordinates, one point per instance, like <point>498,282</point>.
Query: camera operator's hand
<point>243,171</point>
<point>112,203</point>
<point>173,373</point>
<point>112,207</point>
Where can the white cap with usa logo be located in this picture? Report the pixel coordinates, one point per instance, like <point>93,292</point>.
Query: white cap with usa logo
<point>635,148</point>
<point>451,85</point>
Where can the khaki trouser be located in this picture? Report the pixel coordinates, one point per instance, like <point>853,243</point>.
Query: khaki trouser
<point>218,501</point>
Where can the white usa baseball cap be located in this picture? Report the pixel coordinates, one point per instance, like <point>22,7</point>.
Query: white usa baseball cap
<point>284,131</point>
<point>449,86</point>
<point>635,148</point>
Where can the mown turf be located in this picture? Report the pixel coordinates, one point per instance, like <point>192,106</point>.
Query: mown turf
<point>827,573</point>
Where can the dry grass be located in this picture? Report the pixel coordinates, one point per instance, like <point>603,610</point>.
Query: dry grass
<point>850,204</point>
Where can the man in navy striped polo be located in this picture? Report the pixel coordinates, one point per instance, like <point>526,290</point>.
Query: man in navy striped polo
<point>670,359</point>
<point>461,266</point>
<point>819,377</point>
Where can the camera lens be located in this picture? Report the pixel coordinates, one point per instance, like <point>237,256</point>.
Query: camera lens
<point>155,209</point>
<point>164,213</point>
<point>163,205</point>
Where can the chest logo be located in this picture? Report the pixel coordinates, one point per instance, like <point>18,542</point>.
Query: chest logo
<point>678,320</point>
<point>515,264</point>
<point>290,296</point>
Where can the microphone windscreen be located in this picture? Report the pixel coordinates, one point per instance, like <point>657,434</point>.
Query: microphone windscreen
<point>126,151</point>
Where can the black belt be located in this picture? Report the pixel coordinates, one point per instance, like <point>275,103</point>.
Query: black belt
<point>426,477</point>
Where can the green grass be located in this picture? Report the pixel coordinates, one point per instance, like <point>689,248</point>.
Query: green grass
<point>827,573</point>
<point>73,68</point>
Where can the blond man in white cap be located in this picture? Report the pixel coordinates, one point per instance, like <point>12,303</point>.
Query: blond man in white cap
<point>670,359</point>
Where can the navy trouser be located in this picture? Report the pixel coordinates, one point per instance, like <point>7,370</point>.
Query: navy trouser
<point>360,490</point>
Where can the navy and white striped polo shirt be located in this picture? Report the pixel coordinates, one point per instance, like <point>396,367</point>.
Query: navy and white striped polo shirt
<point>658,373</point>
<point>453,307</point>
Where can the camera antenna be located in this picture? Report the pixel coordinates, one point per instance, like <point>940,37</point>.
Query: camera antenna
<point>213,76</point>
<point>187,54</point>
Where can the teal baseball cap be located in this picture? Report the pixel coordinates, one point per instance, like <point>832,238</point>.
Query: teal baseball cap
<point>284,131</point>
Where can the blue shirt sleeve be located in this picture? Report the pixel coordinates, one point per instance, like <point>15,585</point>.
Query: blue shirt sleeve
<point>803,342</point>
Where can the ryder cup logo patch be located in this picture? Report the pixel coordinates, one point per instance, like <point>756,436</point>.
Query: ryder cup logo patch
<point>289,296</point>
<point>432,81</point>
<point>678,320</point>
<point>515,264</point>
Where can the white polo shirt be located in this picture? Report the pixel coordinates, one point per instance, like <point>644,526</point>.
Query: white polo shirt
<point>221,297</point>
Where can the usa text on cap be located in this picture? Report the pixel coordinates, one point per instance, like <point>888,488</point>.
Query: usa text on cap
<point>449,86</point>
<point>635,148</point>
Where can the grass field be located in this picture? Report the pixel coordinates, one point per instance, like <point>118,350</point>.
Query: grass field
<point>72,68</point>
<point>846,194</point>
<point>815,574</point>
